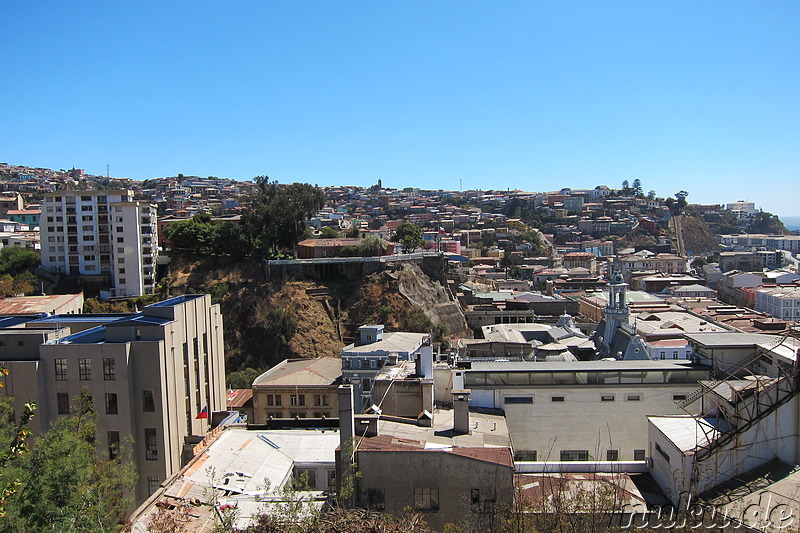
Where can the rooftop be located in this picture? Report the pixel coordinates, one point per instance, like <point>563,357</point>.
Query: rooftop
<point>322,371</point>
<point>686,432</point>
<point>393,342</point>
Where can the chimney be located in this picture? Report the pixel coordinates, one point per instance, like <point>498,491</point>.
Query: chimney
<point>346,417</point>
<point>461,411</point>
<point>425,369</point>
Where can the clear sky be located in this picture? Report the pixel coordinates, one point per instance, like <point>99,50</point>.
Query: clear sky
<point>695,95</point>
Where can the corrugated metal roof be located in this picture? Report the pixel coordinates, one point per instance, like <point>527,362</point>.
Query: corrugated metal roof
<point>686,432</point>
<point>322,371</point>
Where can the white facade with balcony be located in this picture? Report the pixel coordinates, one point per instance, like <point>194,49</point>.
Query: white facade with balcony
<point>101,234</point>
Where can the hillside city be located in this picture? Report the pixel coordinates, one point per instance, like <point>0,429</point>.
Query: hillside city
<point>222,355</point>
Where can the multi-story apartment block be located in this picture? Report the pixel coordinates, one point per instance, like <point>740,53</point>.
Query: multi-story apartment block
<point>155,376</point>
<point>101,235</point>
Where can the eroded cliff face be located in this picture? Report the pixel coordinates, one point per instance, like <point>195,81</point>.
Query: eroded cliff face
<point>432,298</point>
<point>268,321</point>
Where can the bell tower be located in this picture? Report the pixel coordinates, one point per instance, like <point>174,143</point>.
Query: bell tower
<point>616,312</point>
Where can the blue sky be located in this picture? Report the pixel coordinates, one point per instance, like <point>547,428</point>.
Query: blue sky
<point>700,96</point>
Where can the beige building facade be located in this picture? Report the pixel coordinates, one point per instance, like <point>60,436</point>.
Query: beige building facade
<point>155,377</point>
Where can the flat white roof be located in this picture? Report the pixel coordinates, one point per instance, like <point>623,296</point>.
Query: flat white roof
<point>685,432</point>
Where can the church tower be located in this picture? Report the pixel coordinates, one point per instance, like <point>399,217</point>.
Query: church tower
<point>616,312</point>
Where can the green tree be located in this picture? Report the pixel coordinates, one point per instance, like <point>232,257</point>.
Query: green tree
<point>276,216</point>
<point>626,187</point>
<point>353,232</point>
<point>329,233</point>
<point>195,234</point>
<point>16,259</point>
<point>409,235</point>
<point>764,222</point>
<point>371,246</point>
<point>65,483</point>
<point>14,434</point>
<point>242,379</point>
<point>637,187</point>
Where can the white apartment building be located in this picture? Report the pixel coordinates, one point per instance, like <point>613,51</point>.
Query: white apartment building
<point>781,302</point>
<point>790,243</point>
<point>742,209</point>
<point>155,377</point>
<point>101,235</point>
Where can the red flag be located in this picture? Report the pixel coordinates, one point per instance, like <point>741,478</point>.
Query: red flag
<point>203,413</point>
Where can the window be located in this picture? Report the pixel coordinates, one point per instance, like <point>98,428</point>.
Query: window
<point>61,370</point>
<point>638,455</point>
<point>150,445</point>
<point>274,399</point>
<point>557,399</point>
<point>85,369</point>
<point>525,455</point>
<point>678,397</point>
<point>426,499</point>
<point>111,403</point>
<point>475,496</point>
<point>607,398</point>
<point>612,455</point>
<point>121,270</point>
<point>574,455</point>
<point>121,239</point>
<point>376,499</point>
<point>122,281</point>
<point>305,478</point>
<point>320,400</point>
<point>365,363</point>
<point>662,453</point>
<point>366,384</point>
<point>293,400</point>
<point>63,403</point>
<point>113,444</point>
<point>675,354</point>
<point>633,397</point>
<point>518,399</point>
<point>347,363</point>
<point>148,404</point>
<point>153,485</point>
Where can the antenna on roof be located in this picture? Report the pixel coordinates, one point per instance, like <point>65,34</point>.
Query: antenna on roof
<point>108,173</point>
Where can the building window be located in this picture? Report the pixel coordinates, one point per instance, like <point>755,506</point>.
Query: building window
<point>518,399</point>
<point>113,444</point>
<point>662,453</point>
<point>574,455</point>
<point>274,400</point>
<point>153,485</point>
<point>426,499</point>
<point>607,398</point>
<point>525,455</point>
<point>366,384</point>
<point>109,369</point>
<point>305,478</point>
<point>148,405</point>
<point>633,397</point>
<point>111,403</point>
<point>675,354</point>
<point>475,496</point>
<point>557,399</point>
<point>61,369</point>
<point>84,369</point>
<point>62,399</point>
<point>150,445</point>
<point>347,363</point>
<point>376,499</point>
<point>321,400</point>
<point>365,363</point>
<point>612,455</point>
<point>678,397</point>
<point>638,455</point>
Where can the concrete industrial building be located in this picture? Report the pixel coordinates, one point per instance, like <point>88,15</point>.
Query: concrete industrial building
<point>581,410</point>
<point>102,236</point>
<point>155,376</point>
